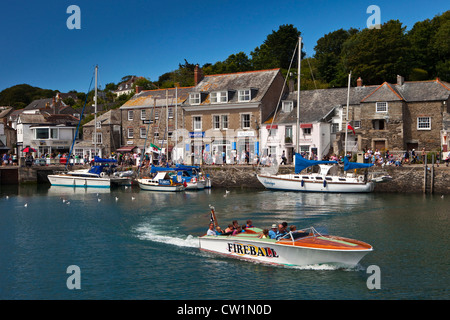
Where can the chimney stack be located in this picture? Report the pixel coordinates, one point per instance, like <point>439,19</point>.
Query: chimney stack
<point>198,75</point>
<point>359,82</point>
<point>138,89</point>
<point>400,80</point>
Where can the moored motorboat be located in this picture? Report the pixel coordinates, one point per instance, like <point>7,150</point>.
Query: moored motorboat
<point>162,179</point>
<point>321,181</point>
<point>194,178</point>
<point>100,175</point>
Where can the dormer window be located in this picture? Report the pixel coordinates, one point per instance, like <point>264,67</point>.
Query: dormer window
<point>219,97</point>
<point>287,106</point>
<point>244,95</point>
<point>194,98</point>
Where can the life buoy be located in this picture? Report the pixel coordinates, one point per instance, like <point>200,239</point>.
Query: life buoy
<point>360,178</point>
<point>102,174</point>
<point>194,180</point>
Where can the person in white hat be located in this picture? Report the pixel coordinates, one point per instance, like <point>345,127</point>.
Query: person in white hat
<point>273,231</point>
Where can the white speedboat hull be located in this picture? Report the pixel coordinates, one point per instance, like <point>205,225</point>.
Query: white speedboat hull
<point>269,251</point>
<point>315,183</point>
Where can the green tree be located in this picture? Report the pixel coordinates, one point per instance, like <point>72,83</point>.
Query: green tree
<point>328,51</point>
<point>376,55</point>
<point>277,49</point>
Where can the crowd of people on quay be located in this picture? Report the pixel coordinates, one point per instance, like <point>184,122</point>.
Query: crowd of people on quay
<point>277,231</point>
<point>378,158</point>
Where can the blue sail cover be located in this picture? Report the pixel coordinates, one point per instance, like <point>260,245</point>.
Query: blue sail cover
<point>157,169</point>
<point>100,160</point>
<point>355,165</point>
<point>302,163</point>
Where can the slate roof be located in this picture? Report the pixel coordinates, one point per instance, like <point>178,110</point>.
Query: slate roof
<point>111,117</point>
<point>258,81</point>
<point>150,98</point>
<point>315,104</point>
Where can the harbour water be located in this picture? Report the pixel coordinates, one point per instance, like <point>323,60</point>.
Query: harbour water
<point>143,245</point>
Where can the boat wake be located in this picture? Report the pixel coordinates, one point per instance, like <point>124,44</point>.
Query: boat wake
<point>148,233</point>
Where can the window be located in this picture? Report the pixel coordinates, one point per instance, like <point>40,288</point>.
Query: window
<point>130,115</point>
<point>197,123</point>
<point>54,133</point>
<point>216,122</point>
<point>306,131</point>
<point>225,122</point>
<point>143,114</point>
<point>170,112</point>
<point>424,123</point>
<point>99,125</point>
<point>99,138</point>
<point>156,114</point>
<point>356,124</point>
<point>244,95</point>
<point>245,121</point>
<point>142,132</point>
<point>272,132</point>
<point>194,98</point>
<point>334,127</point>
<point>287,106</point>
<point>42,133</point>
<point>288,134</point>
<point>218,97</point>
<point>378,124</point>
<point>382,107</point>
<point>130,133</point>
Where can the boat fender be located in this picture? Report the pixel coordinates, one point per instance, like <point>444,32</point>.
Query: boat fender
<point>324,183</point>
<point>303,183</point>
<point>361,178</point>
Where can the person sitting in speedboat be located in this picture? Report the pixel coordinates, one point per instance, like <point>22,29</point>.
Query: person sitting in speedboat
<point>264,234</point>
<point>211,231</point>
<point>273,232</point>
<point>281,231</point>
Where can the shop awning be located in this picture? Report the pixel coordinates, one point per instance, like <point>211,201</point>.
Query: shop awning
<point>126,149</point>
<point>306,125</point>
<point>273,126</point>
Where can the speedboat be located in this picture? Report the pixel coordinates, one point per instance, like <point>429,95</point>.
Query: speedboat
<point>100,175</point>
<point>162,179</point>
<point>298,248</point>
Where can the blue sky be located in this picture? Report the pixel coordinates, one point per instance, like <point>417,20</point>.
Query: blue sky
<point>149,38</point>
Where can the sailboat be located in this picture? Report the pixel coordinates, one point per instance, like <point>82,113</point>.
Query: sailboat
<point>101,175</point>
<point>326,180</point>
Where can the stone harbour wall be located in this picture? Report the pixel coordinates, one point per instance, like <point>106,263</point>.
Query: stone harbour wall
<point>406,179</point>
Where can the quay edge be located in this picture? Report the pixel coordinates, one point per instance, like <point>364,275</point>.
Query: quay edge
<point>405,179</point>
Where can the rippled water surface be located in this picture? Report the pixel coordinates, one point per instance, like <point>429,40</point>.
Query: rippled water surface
<point>144,244</point>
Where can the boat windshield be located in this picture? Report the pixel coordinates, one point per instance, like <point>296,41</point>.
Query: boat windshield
<point>303,233</point>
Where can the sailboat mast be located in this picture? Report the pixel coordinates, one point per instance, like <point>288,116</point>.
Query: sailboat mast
<point>298,94</point>
<point>346,117</point>
<point>95,113</point>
